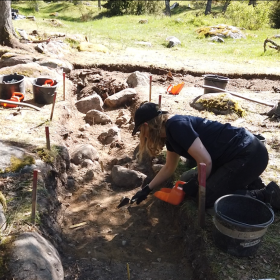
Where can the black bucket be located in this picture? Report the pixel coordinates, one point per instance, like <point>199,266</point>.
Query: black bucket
<point>43,94</point>
<point>10,84</point>
<point>240,223</point>
<point>214,81</point>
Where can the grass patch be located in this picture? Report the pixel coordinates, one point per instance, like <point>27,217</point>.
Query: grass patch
<point>17,163</point>
<point>120,32</point>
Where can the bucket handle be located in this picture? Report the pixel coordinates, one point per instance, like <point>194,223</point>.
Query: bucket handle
<point>239,223</point>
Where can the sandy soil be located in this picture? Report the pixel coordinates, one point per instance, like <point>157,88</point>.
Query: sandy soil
<point>149,239</point>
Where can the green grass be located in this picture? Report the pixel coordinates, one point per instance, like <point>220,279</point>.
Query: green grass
<point>120,32</point>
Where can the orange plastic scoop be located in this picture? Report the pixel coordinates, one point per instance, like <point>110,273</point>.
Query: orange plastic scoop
<point>175,89</point>
<point>173,196</point>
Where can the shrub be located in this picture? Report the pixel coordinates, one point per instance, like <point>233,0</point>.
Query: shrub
<point>274,15</point>
<point>120,7</point>
<point>247,16</point>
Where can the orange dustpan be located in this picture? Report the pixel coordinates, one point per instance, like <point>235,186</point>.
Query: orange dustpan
<point>173,196</point>
<point>175,89</point>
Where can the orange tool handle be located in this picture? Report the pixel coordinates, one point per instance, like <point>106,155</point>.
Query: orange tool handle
<point>19,95</point>
<point>169,89</point>
<point>179,183</point>
<point>50,82</point>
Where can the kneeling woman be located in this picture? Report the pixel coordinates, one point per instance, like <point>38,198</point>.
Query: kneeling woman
<point>234,157</point>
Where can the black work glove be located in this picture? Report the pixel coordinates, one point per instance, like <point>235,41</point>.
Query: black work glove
<point>141,195</point>
<point>191,187</point>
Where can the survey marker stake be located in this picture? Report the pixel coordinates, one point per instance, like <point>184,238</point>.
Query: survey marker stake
<point>159,101</point>
<point>63,86</point>
<point>54,98</point>
<point>48,137</point>
<point>202,193</point>
<point>150,96</point>
<point>128,272</point>
<point>34,195</point>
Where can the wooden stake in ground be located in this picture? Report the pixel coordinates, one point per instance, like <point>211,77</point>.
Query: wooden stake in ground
<point>128,272</point>
<point>54,98</point>
<point>63,86</point>
<point>48,137</point>
<point>150,96</point>
<point>34,196</point>
<point>159,101</point>
<point>202,193</point>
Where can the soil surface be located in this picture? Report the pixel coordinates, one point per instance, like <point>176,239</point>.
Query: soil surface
<point>148,240</point>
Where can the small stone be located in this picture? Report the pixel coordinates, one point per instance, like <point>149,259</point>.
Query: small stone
<point>124,242</point>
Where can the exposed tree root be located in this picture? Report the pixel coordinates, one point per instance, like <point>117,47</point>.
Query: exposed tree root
<point>274,45</point>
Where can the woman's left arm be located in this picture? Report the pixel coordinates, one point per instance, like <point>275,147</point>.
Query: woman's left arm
<point>201,155</point>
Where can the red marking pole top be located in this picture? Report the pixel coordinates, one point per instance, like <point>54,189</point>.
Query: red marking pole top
<point>202,175</point>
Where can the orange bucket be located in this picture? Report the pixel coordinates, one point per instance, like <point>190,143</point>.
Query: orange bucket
<point>173,196</point>
<point>175,89</point>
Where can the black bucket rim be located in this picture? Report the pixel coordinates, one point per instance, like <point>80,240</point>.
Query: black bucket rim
<point>214,77</point>
<point>236,223</point>
<point>44,78</point>
<point>15,74</point>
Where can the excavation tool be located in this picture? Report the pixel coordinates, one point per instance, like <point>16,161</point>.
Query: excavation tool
<point>124,201</point>
<point>19,104</point>
<point>275,107</point>
<point>173,196</point>
<point>175,89</point>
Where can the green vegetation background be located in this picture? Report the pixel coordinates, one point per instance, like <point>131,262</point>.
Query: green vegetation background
<point>119,32</point>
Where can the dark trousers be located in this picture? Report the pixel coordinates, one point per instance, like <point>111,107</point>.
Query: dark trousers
<point>238,173</point>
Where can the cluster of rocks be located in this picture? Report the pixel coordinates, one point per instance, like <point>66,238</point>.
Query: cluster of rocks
<point>219,32</point>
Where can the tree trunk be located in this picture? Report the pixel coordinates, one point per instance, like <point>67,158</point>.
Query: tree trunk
<point>167,8</point>
<point>36,6</point>
<point>208,7</point>
<point>253,2</point>
<point>99,4</point>
<point>225,6</point>
<point>7,32</point>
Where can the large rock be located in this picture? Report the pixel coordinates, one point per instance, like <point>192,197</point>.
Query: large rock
<point>97,117</point>
<point>137,79</point>
<point>218,103</point>
<point>172,41</point>
<point>121,98</point>
<point>124,177</point>
<point>82,152</point>
<point>12,59</point>
<point>107,137</point>
<point>34,257</point>
<point>91,102</point>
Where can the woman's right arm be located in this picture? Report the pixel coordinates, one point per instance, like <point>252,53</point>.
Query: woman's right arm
<point>166,171</point>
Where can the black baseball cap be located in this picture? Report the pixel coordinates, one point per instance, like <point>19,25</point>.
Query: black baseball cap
<point>145,113</point>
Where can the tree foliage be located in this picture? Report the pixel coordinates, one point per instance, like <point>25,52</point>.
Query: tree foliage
<point>274,15</point>
<point>248,16</point>
<point>121,7</point>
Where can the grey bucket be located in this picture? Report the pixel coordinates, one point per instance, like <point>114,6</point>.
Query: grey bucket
<point>7,88</point>
<point>43,94</point>
<point>214,81</point>
<point>240,223</point>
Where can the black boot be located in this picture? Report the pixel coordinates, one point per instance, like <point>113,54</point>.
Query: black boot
<point>270,194</point>
<point>256,185</point>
